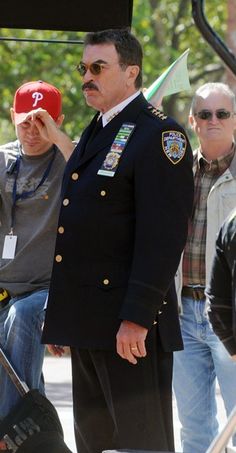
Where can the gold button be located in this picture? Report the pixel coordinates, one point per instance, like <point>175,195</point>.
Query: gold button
<point>58,258</point>
<point>61,229</point>
<point>75,176</point>
<point>66,201</point>
<point>106,281</point>
<point>103,193</point>
<point>164,302</point>
<point>159,312</point>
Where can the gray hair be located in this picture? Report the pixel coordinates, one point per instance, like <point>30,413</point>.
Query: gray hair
<point>210,87</point>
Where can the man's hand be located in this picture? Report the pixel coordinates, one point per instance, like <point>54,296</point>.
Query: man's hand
<point>47,127</point>
<point>50,130</point>
<point>56,350</point>
<point>130,341</point>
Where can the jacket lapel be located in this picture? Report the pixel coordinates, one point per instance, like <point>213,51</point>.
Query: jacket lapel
<point>105,136</point>
<point>103,139</point>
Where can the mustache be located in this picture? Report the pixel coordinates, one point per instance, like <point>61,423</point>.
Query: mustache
<point>89,85</point>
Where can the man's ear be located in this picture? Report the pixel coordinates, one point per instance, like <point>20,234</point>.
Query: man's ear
<point>133,72</point>
<point>191,121</point>
<point>235,121</point>
<point>60,120</point>
<point>12,115</point>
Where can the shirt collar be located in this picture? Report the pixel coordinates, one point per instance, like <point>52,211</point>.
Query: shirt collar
<point>110,114</point>
<point>216,166</point>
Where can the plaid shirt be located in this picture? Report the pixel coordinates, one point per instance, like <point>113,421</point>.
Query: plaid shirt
<point>194,253</point>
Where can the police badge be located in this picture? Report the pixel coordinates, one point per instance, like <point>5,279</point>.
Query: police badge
<point>111,161</point>
<point>174,145</point>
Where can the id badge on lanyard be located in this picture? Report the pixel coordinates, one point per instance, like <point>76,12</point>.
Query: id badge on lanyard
<point>9,247</point>
<point>10,240</point>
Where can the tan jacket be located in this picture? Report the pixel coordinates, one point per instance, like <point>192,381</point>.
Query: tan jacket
<point>221,200</point>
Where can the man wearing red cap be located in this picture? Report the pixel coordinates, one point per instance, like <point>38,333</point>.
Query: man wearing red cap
<point>31,170</point>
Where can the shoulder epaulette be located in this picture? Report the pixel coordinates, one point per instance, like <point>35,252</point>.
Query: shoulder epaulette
<point>158,113</point>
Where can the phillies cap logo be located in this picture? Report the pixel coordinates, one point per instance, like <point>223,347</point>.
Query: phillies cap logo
<point>37,96</point>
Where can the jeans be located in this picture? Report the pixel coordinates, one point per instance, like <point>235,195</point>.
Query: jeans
<point>20,335</point>
<point>196,368</point>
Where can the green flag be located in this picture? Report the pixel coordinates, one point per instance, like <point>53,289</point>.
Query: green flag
<point>173,80</point>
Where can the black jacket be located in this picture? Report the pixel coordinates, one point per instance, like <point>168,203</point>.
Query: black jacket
<point>222,287</point>
<point>120,238</point>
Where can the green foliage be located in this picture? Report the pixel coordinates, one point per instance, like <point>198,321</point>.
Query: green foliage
<point>165,28</point>
<point>52,62</point>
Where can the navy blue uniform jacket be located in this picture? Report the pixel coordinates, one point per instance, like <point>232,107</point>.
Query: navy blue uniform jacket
<point>120,238</point>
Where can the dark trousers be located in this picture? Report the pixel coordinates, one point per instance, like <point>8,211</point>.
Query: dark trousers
<point>118,405</point>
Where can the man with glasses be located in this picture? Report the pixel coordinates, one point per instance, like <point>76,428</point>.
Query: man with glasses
<point>204,358</point>
<point>127,197</point>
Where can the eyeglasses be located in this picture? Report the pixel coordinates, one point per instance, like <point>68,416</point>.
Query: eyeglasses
<point>207,115</point>
<point>94,68</point>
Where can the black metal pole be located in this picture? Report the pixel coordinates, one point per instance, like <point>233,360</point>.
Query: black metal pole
<point>53,41</point>
<point>211,37</point>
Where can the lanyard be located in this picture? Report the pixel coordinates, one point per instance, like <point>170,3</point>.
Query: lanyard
<point>26,194</point>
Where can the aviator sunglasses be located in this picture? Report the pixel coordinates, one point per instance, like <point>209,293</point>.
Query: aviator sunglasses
<point>221,114</point>
<point>95,68</point>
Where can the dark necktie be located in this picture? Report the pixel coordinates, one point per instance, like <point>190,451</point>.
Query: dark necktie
<point>98,126</point>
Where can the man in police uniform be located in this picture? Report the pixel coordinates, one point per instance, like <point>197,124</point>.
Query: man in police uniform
<point>127,197</point>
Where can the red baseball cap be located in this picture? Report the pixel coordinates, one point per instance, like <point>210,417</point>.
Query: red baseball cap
<point>33,95</point>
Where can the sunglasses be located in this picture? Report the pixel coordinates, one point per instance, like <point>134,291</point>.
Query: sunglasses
<point>207,115</point>
<point>94,68</point>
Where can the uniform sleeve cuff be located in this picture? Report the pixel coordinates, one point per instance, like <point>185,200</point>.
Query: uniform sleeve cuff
<point>141,304</point>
